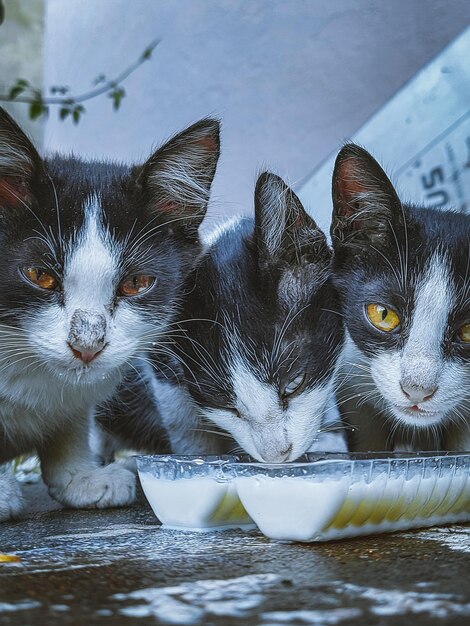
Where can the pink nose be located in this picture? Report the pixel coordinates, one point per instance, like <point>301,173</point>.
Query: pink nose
<point>418,394</point>
<point>86,354</point>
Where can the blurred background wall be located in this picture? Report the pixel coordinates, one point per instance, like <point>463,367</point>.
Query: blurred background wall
<point>290,79</point>
<point>22,55</point>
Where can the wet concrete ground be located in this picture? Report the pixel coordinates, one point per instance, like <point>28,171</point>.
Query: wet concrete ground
<point>118,567</point>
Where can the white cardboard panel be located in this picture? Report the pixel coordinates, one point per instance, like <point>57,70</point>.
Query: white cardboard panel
<point>421,137</point>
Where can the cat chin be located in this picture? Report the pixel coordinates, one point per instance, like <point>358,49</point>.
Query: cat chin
<point>417,419</point>
<point>85,375</point>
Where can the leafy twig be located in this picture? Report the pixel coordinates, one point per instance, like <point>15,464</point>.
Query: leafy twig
<point>69,105</point>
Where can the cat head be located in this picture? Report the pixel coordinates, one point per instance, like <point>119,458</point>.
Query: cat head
<point>264,333</point>
<point>93,253</point>
<point>403,275</point>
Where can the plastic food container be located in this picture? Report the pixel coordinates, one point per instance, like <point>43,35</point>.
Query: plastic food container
<point>317,498</point>
<point>192,493</point>
<point>320,498</point>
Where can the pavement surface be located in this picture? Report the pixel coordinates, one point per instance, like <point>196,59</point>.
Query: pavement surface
<point>118,567</point>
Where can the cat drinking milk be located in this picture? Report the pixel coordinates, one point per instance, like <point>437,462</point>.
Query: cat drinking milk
<point>251,362</point>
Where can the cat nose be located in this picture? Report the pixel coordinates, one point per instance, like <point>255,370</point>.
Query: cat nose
<point>277,457</point>
<point>417,394</point>
<point>87,334</point>
<point>86,354</point>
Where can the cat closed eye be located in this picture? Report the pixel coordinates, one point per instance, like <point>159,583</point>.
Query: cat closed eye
<point>40,278</point>
<point>135,285</point>
<point>294,385</point>
<point>464,333</point>
<point>383,318</point>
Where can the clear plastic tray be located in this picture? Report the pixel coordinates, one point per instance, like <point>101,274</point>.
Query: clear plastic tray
<point>192,493</point>
<point>317,498</point>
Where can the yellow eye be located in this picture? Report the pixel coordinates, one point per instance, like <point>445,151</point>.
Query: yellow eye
<point>464,333</point>
<point>135,285</point>
<point>382,318</point>
<point>41,278</point>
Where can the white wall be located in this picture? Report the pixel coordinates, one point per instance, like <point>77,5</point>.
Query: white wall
<point>290,79</point>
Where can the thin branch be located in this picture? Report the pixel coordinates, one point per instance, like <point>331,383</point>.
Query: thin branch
<point>71,105</point>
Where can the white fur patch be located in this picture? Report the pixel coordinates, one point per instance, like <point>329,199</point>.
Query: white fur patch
<point>422,359</point>
<point>274,197</point>
<point>265,429</point>
<point>91,266</point>
<point>210,238</point>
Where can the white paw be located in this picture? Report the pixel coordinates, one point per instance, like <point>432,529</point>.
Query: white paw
<point>11,500</point>
<point>99,488</point>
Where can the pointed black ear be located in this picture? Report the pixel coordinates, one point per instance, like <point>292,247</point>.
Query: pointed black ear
<point>284,231</point>
<point>177,179</point>
<point>19,162</point>
<point>366,207</point>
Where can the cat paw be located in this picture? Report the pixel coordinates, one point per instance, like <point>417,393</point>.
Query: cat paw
<point>99,488</point>
<point>11,500</point>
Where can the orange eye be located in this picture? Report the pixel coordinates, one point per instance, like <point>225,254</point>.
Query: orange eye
<point>41,278</point>
<point>135,285</point>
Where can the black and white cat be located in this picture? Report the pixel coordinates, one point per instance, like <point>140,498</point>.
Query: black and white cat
<point>403,273</point>
<point>257,344</point>
<point>92,257</point>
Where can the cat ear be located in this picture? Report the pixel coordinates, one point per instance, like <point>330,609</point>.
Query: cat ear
<point>19,162</point>
<point>366,207</point>
<point>284,230</point>
<point>177,179</point>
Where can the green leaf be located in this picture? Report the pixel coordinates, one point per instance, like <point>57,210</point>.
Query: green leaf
<point>77,113</point>
<point>15,91</point>
<point>64,112</point>
<point>116,96</point>
<point>36,109</point>
<point>18,88</point>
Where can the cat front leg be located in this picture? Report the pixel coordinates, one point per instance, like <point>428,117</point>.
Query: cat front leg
<point>11,500</point>
<point>73,476</point>
<point>186,429</point>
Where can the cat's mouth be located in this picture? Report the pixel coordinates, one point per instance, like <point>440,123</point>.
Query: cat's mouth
<point>417,409</point>
<point>418,413</point>
<point>82,369</point>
